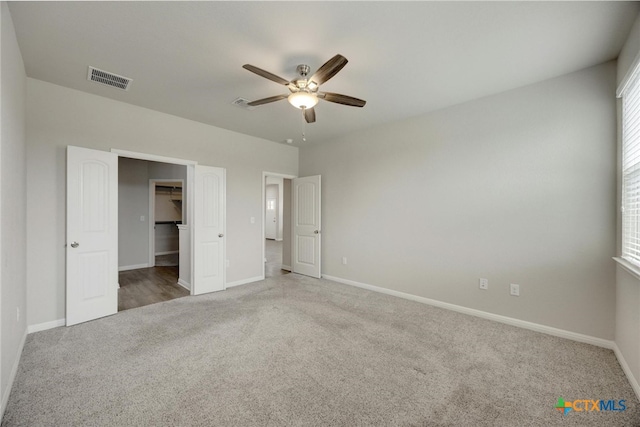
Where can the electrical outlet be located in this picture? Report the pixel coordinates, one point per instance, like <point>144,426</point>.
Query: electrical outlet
<point>252,220</point>
<point>344,260</point>
<point>515,290</point>
<point>18,314</point>
<point>142,218</point>
<point>483,284</point>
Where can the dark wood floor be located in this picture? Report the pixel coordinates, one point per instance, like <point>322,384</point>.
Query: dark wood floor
<point>148,286</point>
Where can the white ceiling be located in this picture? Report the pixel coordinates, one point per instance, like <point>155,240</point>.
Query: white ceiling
<point>405,58</point>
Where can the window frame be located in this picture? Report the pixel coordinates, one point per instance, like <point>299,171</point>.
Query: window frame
<point>629,92</point>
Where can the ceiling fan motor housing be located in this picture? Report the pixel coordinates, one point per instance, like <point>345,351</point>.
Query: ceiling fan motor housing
<point>303,70</point>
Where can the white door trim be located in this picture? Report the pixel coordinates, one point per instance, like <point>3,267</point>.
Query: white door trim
<point>152,216</point>
<point>152,157</point>
<point>262,230</point>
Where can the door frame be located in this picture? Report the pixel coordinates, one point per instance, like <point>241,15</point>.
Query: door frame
<point>264,213</point>
<point>152,215</point>
<point>276,209</point>
<point>191,167</point>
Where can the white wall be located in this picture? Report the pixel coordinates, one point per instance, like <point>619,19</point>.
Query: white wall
<point>627,335</point>
<point>517,188</point>
<point>13,188</point>
<point>57,117</point>
<point>630,50</point>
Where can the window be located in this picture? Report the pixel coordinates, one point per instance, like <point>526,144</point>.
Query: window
<point>630,94</point>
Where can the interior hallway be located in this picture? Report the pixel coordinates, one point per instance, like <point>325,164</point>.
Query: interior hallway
<point>273,254</point>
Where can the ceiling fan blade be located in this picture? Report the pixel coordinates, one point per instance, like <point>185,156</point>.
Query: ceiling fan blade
<point>342,99</point>
<point>329,69</point>
<point>310,115</point>
<point>266,100</point>
<point>265,74</point>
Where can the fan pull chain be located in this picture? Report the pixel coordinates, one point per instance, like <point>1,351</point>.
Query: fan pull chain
<point>304,127</point>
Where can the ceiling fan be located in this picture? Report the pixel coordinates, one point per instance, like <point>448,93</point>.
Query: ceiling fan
<point>304,90</point>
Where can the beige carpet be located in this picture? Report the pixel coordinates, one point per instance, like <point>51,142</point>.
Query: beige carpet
<point>299,351</point>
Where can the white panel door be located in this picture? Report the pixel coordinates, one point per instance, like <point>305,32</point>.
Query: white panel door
<point>92,234</point>
<point>208,273</point>
<point>306,226</point>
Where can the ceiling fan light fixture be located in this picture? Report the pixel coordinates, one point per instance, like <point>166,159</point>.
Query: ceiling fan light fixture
<point>303,100</point>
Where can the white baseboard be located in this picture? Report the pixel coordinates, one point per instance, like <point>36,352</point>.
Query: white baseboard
<point>574,336</point>
<point>184,284</point>
<point>286,267</point>
<point>167,253</point>
<point>46,325</point>
<point>245,281</point>
<point>12,376</point>
<point>627,371</point>
<point>132,267</point>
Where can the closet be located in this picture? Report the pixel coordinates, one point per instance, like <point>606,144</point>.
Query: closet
<point>168,215</point>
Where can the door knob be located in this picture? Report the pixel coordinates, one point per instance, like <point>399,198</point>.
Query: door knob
<point>316,232</point>
<point>220,235</point>
<point>75,244</point>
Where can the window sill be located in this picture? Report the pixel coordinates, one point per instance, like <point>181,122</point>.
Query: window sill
<point>631,268</point>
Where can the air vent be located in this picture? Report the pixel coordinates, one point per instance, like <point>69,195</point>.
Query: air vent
<point>243,103</point>
<point>109,79</point>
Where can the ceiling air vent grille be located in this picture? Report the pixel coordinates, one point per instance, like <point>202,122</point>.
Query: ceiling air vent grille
<point>243,103</point>
<point>109,79</point>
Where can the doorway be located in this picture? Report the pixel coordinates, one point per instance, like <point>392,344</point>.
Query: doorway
<point>151,208</point>
<point>92,229</point>
<point>299,251</point>
<point>277,224</point>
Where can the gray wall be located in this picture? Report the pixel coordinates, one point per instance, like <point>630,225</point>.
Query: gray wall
<point>517,188</point>
<point>13,189</point>
<point>57,117</point>
<point>627,285</point>
<point>133,202</point>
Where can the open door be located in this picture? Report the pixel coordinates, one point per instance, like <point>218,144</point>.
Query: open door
<point>306,226</point>
<point>208,273</point>
<point>92,234</point>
